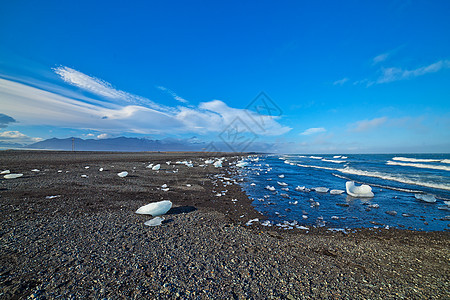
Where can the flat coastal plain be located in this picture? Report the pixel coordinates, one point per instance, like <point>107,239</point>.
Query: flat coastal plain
<point>68,236</point>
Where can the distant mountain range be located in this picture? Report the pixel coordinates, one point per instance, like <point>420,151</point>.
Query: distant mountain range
<point>120,144</point>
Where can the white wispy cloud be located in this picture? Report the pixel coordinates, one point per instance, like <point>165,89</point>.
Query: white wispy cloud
<point>310,131</point>
<point>17,137</point>
<point>366,125</point>
<point>380,58</point>
<point>340,81</point>
<point>173,94</point>
<point>31,105</point>
<point>101,88</point>
<point>395,74</point>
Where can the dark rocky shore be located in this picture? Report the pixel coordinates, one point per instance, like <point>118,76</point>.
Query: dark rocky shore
<point>88,243</point>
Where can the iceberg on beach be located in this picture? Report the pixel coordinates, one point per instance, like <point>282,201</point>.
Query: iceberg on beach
<point>270,188</point>
<point>155,209</point>
<point>364,191</point>
<point>425,197</point>
<point>154,222</point>
<point>241,164</point>
<point>156,167</point>
<point>5,172</point>
<point>122,174</point>
<point>12,176</point>
<point>218,164</point>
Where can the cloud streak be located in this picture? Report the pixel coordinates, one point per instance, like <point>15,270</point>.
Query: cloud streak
<point>366,125</point>
<point>173,94</point>
<point>311,131</point>
<point>32,105</point>
<point>396,74</point>
<point>17,137</point>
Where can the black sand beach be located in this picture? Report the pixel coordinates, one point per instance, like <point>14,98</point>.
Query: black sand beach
<point>88,242</point>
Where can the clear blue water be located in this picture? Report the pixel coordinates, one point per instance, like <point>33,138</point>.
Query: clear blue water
<point>395,179</point>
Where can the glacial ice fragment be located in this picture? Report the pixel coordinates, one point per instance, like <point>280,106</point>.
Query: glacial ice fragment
<point>12,176</point>
<point>5,172</point>
<point>154,222</point>
<point>336,192</point>
<point>362,191</point>
<point>122,174</point>
<point>218,164</point>
<point>321,189</point>
<point>156,167</point>
<point>155,208</point>
<point>425,197</point>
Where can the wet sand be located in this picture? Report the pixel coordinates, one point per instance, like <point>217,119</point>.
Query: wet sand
<point>88,242</point>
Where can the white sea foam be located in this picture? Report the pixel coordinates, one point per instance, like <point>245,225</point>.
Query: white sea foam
<point>422,166</point>
<point>399,158</point>
<point>316,157</point>
<point>349,170</point>
<point>334,161</point>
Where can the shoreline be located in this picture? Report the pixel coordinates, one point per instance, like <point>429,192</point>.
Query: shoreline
<point>89,243</point>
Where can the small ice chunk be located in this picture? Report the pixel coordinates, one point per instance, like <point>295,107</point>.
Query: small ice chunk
<point>209,161</point>
<point>302,189</point>
<point>188,185</point>
<point>59,171</point>
<point>321,189</point>
<point>250,222</point>
<point>407,215</point>
<point>5,172</point>
<point>302,227</point>
<point>334,217</point>
<point>425,197</point>
<point>447,203</point>
<point>270,188</point>
<point>282,183</point>
<point>358,191</point>
<point>218,194</point>
<point>336,192</point>
<point>87,167</point>
<point>284,195</point>
<point>154,222</point>
<point>168,162</point>
<point>165,190</point>
<point>35,170</point>
<point>391,212</point>
<point>234,200</point>
<point>285,189</point>
<point>12,176</point>
<point>84,176</point>
<point>164,186</point>
<point>155,209</point>
<point>374,206</point>
<point>242,164</point>
<point>294,203</point>
<point>266,223</point>
<point>52,197</point>
<point>149,166</point>
<point>101,169</point>
<point>281,176</point>
<point>218,164</point>
<point>252,184</point>
<point>122,174</point>
<point>156,167</point>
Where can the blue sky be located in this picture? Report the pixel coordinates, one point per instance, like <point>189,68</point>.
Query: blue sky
<point>343,76</point>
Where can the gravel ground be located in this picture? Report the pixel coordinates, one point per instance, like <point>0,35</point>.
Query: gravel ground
<point>87,242</point>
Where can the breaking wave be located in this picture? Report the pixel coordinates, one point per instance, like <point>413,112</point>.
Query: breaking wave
<point>422,166</point>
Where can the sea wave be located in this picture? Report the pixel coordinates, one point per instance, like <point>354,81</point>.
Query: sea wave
<point>407,159</point>
<point>422,166</point>
<point>385,176</point>
<point>334,161</point>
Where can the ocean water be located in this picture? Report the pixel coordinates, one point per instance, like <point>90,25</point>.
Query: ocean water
<point>395,181</point>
